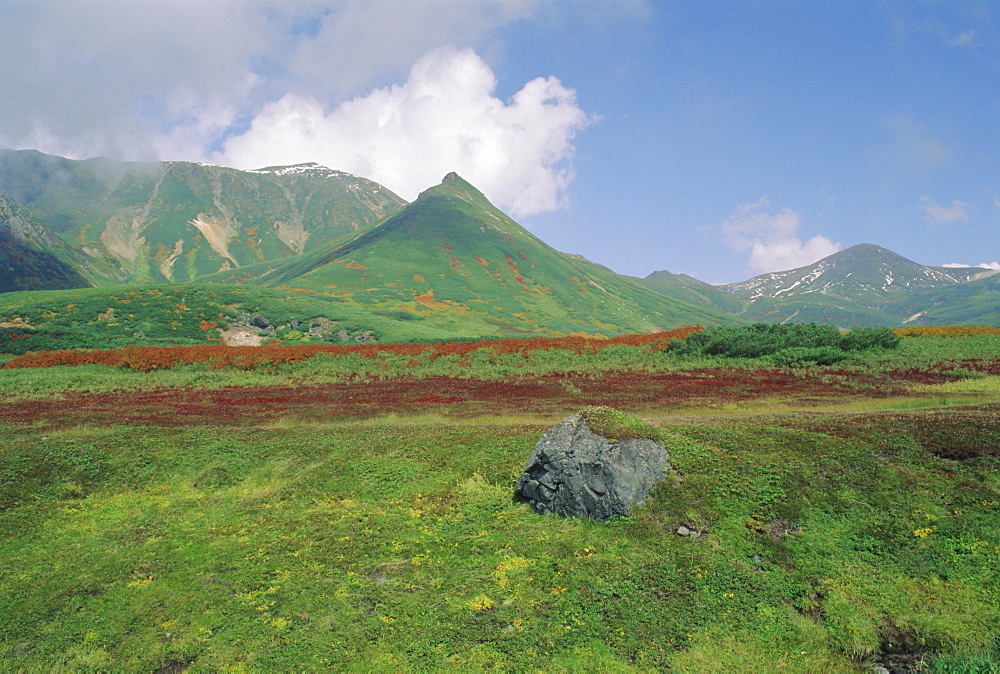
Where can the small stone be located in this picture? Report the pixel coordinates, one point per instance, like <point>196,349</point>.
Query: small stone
<point>683,531</point>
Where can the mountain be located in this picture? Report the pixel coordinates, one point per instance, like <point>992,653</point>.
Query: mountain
<point>449,264</point>
<point>453,259</point>
<point>859,272</point>
<point>867,285</point>
<point>693,291</point>
<point>134,222</point>
<point>26,262</point>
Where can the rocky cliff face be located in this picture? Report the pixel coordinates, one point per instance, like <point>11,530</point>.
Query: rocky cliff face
<point>29,258</point>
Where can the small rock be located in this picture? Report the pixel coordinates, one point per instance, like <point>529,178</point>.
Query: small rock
<point>260,322</point>
<point>683,531</point>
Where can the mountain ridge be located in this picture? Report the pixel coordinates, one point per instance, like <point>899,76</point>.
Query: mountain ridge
<point>179,221</point>
<point>312,229</point>
<point>451,253</point>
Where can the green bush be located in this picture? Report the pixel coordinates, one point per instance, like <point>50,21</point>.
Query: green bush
<point>791,344</point>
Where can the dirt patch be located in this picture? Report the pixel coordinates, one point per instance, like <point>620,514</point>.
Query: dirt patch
<point>240,336</point>
<point>17,323</point>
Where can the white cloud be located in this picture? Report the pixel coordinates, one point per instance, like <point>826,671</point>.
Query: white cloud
<point>937,28</point>
<point>936,214</point>
<point>89,78</point>
<point>444,118</point>
<point>216,80</point>
<point>139,80</point>
<point>988,265</point>
<point>913,147</point>
<point>772,238</point>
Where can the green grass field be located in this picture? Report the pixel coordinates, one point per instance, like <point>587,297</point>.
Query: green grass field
<point>838,532</point>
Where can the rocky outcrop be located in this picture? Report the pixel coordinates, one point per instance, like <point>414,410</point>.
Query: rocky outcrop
<point>574,472</point>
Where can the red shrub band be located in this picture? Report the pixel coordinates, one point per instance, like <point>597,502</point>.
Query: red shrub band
<point>149,358</point>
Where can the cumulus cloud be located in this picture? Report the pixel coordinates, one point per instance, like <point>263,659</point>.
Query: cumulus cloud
<point>235,81</point>
<point>935,214</point>
<point>444,118</point>
<point>171,80</point>
<point>89,78</point>
<point>772,238</point>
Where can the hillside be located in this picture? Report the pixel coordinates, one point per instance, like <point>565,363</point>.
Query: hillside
<point>693,291</point>
<point>870,285</point>
<point>27,260</point>
<point>189,314</point>
<point>452,259</point>
<point>128,222</point>
<point>450,262</point>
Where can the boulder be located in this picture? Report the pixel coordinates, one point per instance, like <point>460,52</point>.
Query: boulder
<point>574,472</point>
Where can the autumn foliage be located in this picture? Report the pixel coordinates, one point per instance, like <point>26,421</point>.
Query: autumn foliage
<point>149,358</point>
<point>947,330</point>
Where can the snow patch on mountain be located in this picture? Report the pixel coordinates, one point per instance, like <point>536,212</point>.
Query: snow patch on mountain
<point>306,168</point>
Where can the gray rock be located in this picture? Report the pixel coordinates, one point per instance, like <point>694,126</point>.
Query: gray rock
<point>683,531</point>
<point>574,472</point>
<point>319,326</point>
<point>259,321</point>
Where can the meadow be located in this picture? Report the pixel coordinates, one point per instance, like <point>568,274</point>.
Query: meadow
<point>352,508</point>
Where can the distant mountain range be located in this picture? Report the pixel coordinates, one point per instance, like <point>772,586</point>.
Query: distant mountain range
<point>126,222</point>
<point>449,260</point>
<point>870,285</point>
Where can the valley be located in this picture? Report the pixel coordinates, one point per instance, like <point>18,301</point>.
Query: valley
<point>273,419</point>
<point>354,509</point>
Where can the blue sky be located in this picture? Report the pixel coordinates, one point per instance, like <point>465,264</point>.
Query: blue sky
<point>716,138</point>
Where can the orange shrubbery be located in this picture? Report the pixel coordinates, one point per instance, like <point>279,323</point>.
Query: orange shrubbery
<point>149,358</point>
<point>947,330</point>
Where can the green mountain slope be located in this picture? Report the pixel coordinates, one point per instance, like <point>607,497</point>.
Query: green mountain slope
<point>453,260</point>
<point>26,258</point>
<point>691,290</point>
<point>187,314</point>
<point>868,285</point>
<point>126,222</point>
<point>974,303</point>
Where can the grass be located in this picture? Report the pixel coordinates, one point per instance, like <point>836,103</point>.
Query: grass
<point>834,536</point>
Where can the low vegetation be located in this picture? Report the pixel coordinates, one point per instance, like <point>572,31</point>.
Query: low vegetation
<point>792,345</point>
<point>354,510</point>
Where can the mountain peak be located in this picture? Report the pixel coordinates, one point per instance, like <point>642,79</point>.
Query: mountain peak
<point>456,187</point>
<point>861,270</point>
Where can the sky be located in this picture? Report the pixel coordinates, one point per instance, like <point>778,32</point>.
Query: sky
<point>716,138</point>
